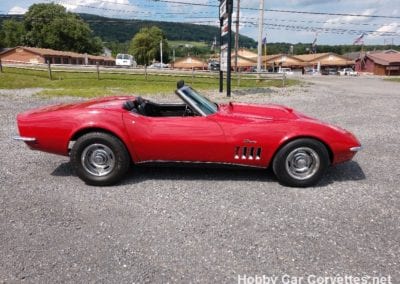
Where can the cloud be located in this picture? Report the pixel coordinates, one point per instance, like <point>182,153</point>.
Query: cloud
<point>104,7</point>
<point>334,22</point>
<point>16,10</point>
<point>387,30</point>
<point>311,2</point>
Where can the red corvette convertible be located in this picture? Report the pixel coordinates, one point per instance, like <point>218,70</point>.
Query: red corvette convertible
<point>104,136</point>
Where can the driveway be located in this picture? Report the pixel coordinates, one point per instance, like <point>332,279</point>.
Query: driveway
<point>191,225</point>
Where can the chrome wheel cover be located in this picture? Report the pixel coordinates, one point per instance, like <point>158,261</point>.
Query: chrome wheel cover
<point>302,163</point>
<point>98,159</point>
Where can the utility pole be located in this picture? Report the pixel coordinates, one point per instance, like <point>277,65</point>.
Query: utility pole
<point>225,18</point>
<point>237,35</point>
<point>228,73</point>
<point>260,34</point>
<point>161,54</point>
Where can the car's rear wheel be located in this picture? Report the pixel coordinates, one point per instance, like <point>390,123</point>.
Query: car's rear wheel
<point>100,158</point>
<point>301,162</point>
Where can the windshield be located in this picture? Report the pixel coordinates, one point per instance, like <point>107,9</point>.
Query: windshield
<point>204,104</point>
<point>123,56</point>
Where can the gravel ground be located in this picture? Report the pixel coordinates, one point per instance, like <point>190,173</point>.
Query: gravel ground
<point>208,225</point>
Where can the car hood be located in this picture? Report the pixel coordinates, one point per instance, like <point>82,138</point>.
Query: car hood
<point>100,103</point>
<point>268,112</point>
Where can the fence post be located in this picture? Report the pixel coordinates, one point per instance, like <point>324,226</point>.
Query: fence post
<point>192,75</point>
<point>49,67</point>
<point>283,79</point>
<point>239,72</point>
<point>98,70</point>
<point>145,71</point>
<point>1,66</point>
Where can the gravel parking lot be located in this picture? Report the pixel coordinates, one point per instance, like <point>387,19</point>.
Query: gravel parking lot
<point>209,225</point>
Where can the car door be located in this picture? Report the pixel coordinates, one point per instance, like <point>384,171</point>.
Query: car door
<point>192,138</point>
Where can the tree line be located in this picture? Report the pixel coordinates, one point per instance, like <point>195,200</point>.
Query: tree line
<point>50,26</point>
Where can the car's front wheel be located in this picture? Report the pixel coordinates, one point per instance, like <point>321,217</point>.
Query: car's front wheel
<point>301,162</point>
<point>99,158</point>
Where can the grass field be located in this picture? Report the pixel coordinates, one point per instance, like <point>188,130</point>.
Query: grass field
<point>87,84</point>
<point>393,79</point>
<point>177,43</point>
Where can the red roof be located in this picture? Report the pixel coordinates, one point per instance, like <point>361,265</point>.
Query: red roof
<point>385,58</point>
<point>51,52</point>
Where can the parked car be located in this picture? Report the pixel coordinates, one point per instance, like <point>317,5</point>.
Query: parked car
<point>125,60</point>
<point>347,72</point>
<point>158,65</point>
<point>312,72</point>
<point>213,66</point>
<point>329,71</point>
<point>104,136</point>
<point>286,71</point>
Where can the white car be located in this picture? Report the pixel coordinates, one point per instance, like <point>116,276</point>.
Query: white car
<point>158,65</point>
<point>286,71</point>
<point>125,60</point>
<point>347,72</point>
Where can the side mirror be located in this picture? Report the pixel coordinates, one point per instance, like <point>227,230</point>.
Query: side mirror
<point>180,84</point>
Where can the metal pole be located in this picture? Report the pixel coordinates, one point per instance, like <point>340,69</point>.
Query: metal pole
<point>229,63</point>
<point>265,53</point>
<point>221,73</point>
<point>260,33</point>
<point>237,35</point>
<point>161,54</point>
<point>1,66</point>
<point>49,68</point>
<point>98,70</point>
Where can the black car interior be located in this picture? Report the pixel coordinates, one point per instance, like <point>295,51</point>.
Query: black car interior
<point>149,108</point>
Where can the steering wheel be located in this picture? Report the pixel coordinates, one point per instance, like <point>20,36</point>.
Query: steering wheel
<point>188,111</point>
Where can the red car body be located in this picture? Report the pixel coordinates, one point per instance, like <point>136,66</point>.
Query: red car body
<point>238,133</point>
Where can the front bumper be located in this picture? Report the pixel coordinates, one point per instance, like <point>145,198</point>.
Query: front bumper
<point>356,149</point>
<point>24,139</point>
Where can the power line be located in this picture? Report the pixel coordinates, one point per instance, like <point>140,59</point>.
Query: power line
<point>313,29</point>
<point>248,8</point>
<point>282,11</point>
<point>331,30</point>
<point>149,13</point>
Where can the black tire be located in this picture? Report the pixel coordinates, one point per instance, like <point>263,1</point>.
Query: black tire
<point>100,159</point>
<point>301,162</point>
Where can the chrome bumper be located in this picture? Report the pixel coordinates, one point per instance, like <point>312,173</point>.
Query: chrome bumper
<point>356,149</point>
<point>24,139</point>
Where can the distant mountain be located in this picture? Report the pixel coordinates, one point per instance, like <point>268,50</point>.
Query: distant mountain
<point>110,29</point>
<point>121,30</point>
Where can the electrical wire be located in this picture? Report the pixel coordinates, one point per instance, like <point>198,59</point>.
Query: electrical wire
<point>162,15</point>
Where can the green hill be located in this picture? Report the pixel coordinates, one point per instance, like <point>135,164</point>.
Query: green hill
<point>119,30</point>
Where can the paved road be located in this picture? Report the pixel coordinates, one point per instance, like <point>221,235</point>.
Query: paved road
<point>208,225</point>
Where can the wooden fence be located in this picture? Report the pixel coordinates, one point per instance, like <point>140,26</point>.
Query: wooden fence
<point>145,71</point>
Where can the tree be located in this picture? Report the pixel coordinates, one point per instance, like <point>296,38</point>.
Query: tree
<point>51,26</point>
<point>145,45</point>
<point>12,33</point>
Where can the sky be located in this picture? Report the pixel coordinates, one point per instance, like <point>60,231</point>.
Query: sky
<point>279,26</point>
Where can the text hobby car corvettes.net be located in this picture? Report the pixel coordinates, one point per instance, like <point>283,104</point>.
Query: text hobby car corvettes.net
<point>104,136</point>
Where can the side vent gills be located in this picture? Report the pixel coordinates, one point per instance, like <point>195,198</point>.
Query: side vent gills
<point>258,156</point>
<point>237,149</point>
<point>244,153</point>
<point>247,153</point>
<point>251,154</point>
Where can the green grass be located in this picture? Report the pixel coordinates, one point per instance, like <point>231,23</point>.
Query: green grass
<point>87,84</point>
<point>393,79</point>
<point>177,43</point>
